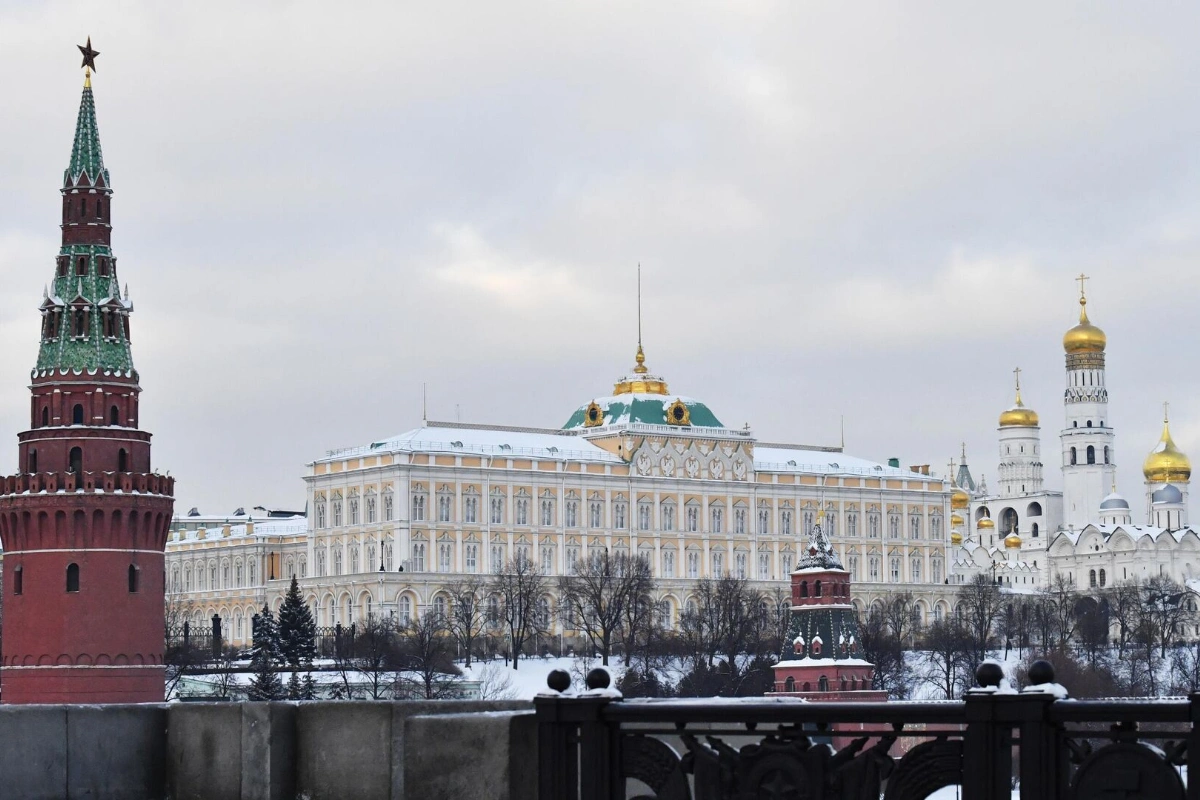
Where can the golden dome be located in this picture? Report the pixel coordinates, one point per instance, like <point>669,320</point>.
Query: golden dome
<point>1012,540</point>
<point>955,520</point>
<point>959,499</point>
<point>955,537</point>
<point>1084,337</point>
<point>985,524</point>
<point>1166,462</point>
<point>1019,416</point>
<point>640,381</point>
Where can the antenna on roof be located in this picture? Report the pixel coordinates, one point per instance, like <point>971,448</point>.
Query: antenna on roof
<point>639,298</point>
<point>424,405</point>
<point>843,424</point>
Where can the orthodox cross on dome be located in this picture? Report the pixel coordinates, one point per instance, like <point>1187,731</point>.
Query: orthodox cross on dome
<point>1166,412</point>
<point>964,452</point>
<point>1082,280</point>
<point>89,58</point>
<point>1017,373</point>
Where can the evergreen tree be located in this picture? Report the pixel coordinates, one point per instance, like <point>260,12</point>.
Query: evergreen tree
<point>266,684</point>
<point>294,687</point>
<point>308,687</point>
<point>297,629</point>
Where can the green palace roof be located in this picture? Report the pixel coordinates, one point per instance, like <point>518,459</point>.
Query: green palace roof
<point>651,409</point>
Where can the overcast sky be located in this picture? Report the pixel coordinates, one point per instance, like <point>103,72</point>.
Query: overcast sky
<point>874,210</point>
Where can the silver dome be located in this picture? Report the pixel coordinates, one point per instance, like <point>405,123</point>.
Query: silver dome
<point>1114,500</point>
<point>1167,494</point>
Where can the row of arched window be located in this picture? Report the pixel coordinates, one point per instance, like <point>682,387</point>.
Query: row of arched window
<point>1089,454</point>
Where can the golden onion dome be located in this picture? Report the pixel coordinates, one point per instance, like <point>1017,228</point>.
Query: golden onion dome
<point>1084,337</point>
<point>955,537</point>
<point>1166,462</point>
<point>1012,540</point>
<point>956,520</point>
<point>959,499</point>
<point>985,524</point>
<point>1019,416</point>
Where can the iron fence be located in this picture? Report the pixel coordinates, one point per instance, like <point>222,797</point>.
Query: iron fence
<point>597,746</point>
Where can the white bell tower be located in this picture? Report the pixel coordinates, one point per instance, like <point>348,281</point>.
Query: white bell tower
<point>1088,452</point>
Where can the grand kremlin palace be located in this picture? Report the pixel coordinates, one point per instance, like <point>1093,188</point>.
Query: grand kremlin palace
<point>642,470</point>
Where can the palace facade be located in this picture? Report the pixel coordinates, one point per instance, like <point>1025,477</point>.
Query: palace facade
<point>639,471</point>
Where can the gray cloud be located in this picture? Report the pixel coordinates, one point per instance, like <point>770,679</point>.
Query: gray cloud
<point>874,212</point>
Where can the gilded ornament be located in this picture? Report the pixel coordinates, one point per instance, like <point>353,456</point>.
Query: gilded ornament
<point>678,413</point>
<point>985,524</point>
<point>594,416</point>
<point>1084,337</point>
<point>1166,463</point>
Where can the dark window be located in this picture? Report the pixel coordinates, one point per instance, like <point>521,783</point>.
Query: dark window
<point>114,416</point>
<point>62,268</point>
<point>1075,424</point>
<point>1103,578</point>
<point>76,460</point>
<point>32,461</point>
<point>99,209</point>
<point>103,265</point>
<point>1073,457</point>
<point>81,266</point>
<point>83,207</point>
<point>77,415</point>
<point>788,686</point>
<point>133,579</point>
<point>45,416</point>
<point>823,684</point>
<point>18,580</point>
<point>1089,423</point>
<point>1105,454</point>
<point>817,589</point>
<point>72,577</point>
<point>1091,454</point>
<point>80,322</point>
<point>804,588</point>
<point>122,460</point>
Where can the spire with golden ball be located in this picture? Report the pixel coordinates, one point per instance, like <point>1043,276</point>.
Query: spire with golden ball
<point>640,381</point>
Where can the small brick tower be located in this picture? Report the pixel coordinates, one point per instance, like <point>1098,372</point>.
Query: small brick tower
<point>823,660</point>
<point>84,521</point>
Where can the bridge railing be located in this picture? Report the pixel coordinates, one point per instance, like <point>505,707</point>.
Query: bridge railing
<point>593,745</point>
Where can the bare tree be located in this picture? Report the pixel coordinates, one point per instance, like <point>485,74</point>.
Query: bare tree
<point>519,587</point>
<point>467,616</point>
<point>898,614</point>
<point>181,654</point>
<point>595,597</point>
<point>640,616</point>
<point>892,672</point>
<point>427,649</point>
<point>980,603</point>
<point>375,656</point>
<point>948,654</point>
<point>1062,598</point>
<point>1124,608</point>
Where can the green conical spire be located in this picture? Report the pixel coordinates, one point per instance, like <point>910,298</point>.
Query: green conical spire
<point>85,152</point>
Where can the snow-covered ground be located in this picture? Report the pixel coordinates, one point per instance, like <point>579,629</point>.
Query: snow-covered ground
<point>529,679</point>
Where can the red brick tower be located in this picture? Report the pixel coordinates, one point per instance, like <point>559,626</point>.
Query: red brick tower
<point>84,521</point>
<point>823,660</point>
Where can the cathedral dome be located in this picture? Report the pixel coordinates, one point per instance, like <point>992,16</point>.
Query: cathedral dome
<point>1113,500</point>
<point>955,537</point>
<point>1166,462</point>
<point>956,520</point>
<point>1018,416</point>
<point>959,499</point>
<point>641,397</point>
<point>1012,541</point>
<point>985,524</point>
<point>1168,494</point>
<point>1084,337</point>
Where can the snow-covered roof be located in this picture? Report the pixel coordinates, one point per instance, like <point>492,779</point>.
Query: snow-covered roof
<point>285,526</point>
<point>782,458</point>
<point>1133,531</point>
<point>489,441</point>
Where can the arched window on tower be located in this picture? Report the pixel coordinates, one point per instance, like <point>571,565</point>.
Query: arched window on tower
<point>72,577</point>
<point>1089,423</point>
<point>99,209</point>
<point>82,207</point>
<point>133,579</point>
<point>804,588</point>
<point>76,460</point>
<point>45,416</point>
<point>1105,454</point>
<point>1073,457</point>
<point>77,415</point>
<point>18,580</point>
<point>817,589</point>
<point>32,461</point>
<point>114,416</point>
<point>81,266</point>
<point>1091,454</point>
<point>122,460</point>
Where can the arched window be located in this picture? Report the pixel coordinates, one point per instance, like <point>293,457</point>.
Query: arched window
<point>1073,457</point>
<point>77,415</point>
<point>790,684</point>
<point>122,460</point>
<point>1103,578</point>
<point>1105,454</point>
<point>99,209</point>
<point>72,577</point>
<point>1092,578</point>
<point>76,460</point>
<point>114,416</point>
<point>1091,454</point>
<point>83,207</point>
<point>133,579</point>
<point>817,589</point>
<point>1089,423</point>
<point>18,580</point>
<point>1034,528</point>
<point>405,609</point>
<point>81,267</point>
<point>1075,424</point>
<point>804,588</point>
<point>32,458</point>
<point>45,416</point>
<point>823,684</point>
